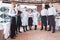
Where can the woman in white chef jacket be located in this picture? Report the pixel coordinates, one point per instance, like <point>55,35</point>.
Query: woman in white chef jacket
<point>35,18</point>
<point>24,20</point>
<point>30,19</point>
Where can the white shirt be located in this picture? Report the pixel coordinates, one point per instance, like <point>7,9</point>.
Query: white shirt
<point>13,12</point>
<point>30,15</point>
<point>52,11</point>
<point>44,12</point>
<point>19,8</point>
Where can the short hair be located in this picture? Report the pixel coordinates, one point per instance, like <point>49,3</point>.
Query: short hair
<point>47,6</point>
<point>31,10</point>
<point>18,4</point>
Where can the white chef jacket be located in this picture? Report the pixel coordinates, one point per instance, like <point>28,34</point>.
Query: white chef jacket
<point>13,12</point>
<point>52,11</point>
<point>24,16</point>
<point>30,15</point>
<point>35,18</point>
<point>44,12</point>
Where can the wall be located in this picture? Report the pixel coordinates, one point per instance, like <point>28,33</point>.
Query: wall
<point>39,7</point>
<point>57,6</point>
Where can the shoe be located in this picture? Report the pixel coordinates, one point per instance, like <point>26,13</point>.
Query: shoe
<point>49,30</point>
<point>41,29</point>
<point>24,31</point>
<point>27,30</point>
<point>53,32</point>
<point>5,39</point>
<point>30,29</point>
<point>35,29</point>
<point>13,38</point>
<point>45,29</point>
<point>20,32</point>
<point>16,36</point>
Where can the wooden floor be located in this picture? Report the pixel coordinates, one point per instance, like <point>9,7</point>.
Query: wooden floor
<point>38,35</point>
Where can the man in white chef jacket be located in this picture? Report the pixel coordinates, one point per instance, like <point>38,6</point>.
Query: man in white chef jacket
<point>35,18</point>
<point>13,12</point>
<point>44,18</point>
<point>24,16</point>
<point>51,17</point>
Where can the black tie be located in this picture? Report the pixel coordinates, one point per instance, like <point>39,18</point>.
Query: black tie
<point>14,11</point>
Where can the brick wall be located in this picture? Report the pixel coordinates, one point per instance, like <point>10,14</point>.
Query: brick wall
<point>39,7</point>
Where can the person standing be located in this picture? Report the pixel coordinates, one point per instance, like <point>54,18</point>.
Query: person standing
<point>44,18</point>
<point>24,20</point>
<point>35,19</point>
<point>19,22</point>
<point>13,12</point>
<point>30,19</point>
<point>51,18</point>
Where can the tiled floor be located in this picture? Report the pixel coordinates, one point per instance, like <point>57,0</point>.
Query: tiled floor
<point>38,35</point>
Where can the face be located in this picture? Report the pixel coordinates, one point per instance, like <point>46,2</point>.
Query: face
<point>13,4</point>
<point>29,11</point>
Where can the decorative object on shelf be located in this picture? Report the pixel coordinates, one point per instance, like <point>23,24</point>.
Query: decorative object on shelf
<point>4,11</point>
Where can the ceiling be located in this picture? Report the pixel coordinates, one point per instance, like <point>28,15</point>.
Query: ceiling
<point>33,1</point>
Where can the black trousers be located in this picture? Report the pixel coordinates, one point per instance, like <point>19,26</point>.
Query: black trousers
<point>13,27</point>
<point>19,23</point>
<point>30,22</point>
<point>51,21</point>
<point>24,28</point>
<point>44,22</point>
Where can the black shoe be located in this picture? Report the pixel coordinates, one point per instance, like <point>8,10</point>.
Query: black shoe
<point>35,29</point>
<point>13,38</point>
<point>20,32</point>
<point>30,29</point>
<point>16,33</point>
<point>49,30</point>
<point>5,39</point>
<point>27,30</point>
<point>45,29</point>
<point>41,29</point>
<point>16,36</point>
<point>24,31</point>
<point>53,31</point>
